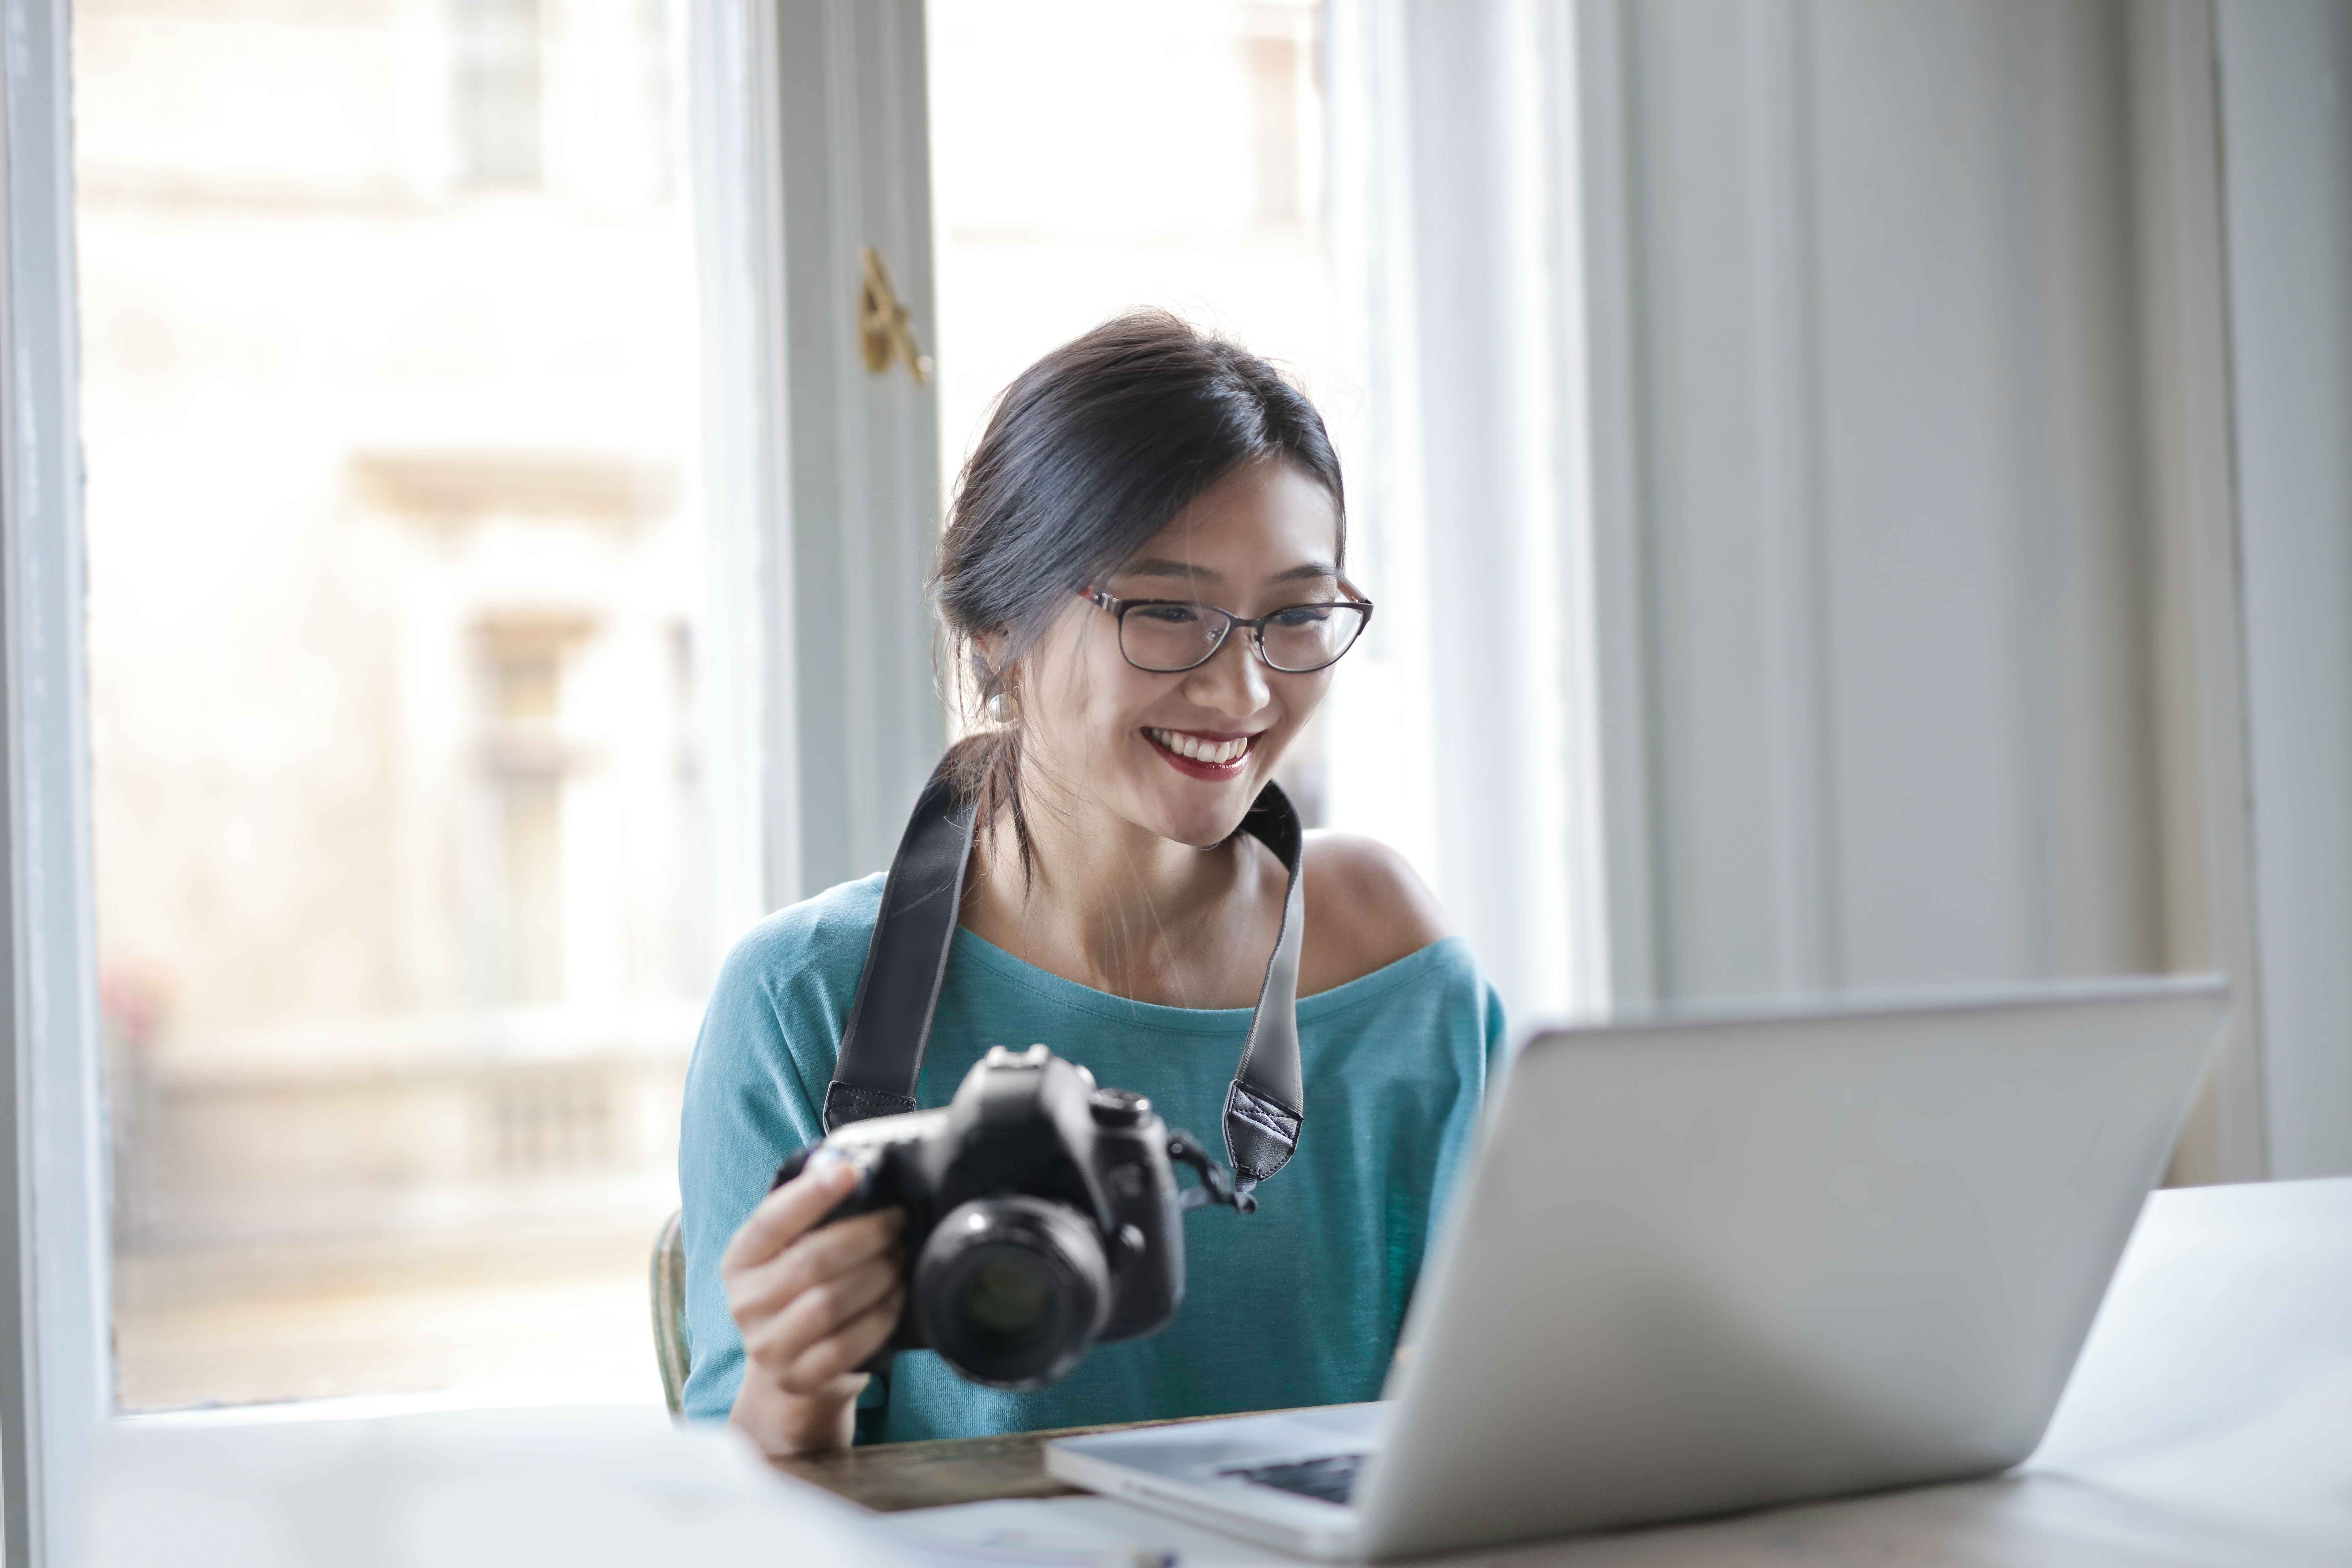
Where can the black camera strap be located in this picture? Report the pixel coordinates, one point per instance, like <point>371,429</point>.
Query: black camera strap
<point>891,1021</point>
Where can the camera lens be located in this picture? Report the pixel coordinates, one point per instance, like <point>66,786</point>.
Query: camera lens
<point>1007,1298</point>
<point>1011,1291</point>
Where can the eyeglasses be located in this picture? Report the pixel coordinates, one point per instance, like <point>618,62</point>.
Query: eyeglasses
<point>1168,637</point>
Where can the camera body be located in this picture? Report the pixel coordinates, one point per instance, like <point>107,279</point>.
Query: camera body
<point>1043,1217</point>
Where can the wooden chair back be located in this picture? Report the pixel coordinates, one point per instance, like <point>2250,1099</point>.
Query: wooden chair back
<point>669,1312</point>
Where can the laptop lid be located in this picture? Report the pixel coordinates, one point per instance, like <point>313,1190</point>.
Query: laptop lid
<point>1706,1263</point>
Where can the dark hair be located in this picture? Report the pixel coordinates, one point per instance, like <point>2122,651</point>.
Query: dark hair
<point>1090,452</point>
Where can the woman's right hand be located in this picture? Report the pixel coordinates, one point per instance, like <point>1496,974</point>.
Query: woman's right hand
<point>812,1302</point>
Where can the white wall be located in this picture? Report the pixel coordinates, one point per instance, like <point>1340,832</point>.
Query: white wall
<point>1880,478</point>
<point>1920,613</point>
<point>2286,122</point>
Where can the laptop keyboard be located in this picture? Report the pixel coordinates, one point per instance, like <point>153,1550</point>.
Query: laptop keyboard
<point>1332,1478</point>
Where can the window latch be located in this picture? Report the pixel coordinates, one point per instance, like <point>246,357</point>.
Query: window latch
<point>884,330</point>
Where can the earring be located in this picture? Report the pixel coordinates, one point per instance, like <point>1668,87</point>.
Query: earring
<point>1003,708</point>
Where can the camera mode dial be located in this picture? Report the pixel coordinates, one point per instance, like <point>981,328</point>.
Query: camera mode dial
<point>1118,1108</point>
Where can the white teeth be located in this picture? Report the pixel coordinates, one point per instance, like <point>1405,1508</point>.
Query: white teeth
<point>1215,752</point>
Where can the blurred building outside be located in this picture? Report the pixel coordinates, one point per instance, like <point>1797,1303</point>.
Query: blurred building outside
<point>389,405</point>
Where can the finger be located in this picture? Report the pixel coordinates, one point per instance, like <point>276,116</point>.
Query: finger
<point>781,1341</point>
<point>850,1348</point>
<point>811,1260</point>
<point>785,1214</point>
<point>829,1307</point>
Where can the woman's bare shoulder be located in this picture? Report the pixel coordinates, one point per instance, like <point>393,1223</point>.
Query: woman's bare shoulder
<point>1365,909</point>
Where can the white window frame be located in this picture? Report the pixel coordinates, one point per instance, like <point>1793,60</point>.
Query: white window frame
<point>823,475</point>
<point>56,1389</point>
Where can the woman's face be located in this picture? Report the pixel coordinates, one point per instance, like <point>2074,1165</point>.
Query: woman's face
<point>1264,537</point>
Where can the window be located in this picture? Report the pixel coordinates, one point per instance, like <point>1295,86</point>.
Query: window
<point>526,763</point>
<point>413,848</point>
<point>402,852</point>
<point>1199,187</point>
<point>494,90</point>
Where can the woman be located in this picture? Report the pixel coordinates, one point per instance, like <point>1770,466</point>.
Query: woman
<point>1136,491</point>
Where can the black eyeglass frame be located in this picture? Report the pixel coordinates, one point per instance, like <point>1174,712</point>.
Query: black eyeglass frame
<point>1102,598</point>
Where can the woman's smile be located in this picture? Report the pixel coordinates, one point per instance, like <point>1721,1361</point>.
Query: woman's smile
<point>1202,754</point>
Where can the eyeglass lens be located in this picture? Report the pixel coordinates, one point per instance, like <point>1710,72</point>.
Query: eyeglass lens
<point>1172,637</point>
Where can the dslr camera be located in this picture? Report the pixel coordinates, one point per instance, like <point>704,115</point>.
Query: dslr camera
<point>1042,1215</point>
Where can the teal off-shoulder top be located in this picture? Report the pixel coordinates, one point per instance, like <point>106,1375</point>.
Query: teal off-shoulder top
<point>1296,1304</point>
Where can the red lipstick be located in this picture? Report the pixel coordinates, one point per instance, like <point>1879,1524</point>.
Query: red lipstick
<point>1193,767</point>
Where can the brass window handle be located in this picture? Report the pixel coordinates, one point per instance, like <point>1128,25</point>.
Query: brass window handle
<point>884,330</point>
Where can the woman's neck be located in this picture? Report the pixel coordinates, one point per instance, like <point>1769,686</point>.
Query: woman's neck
<point>1105,903</point>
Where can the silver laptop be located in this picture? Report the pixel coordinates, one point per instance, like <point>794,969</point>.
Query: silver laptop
<point>1706,1263</point>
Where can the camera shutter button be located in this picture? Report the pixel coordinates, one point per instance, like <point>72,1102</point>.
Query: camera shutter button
<point>1118,1108</point>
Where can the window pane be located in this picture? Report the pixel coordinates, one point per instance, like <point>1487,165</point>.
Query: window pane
<point>1197,185</point>
<point>403,854</point>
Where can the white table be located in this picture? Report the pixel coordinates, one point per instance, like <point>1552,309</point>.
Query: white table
<point>2208,1424</point>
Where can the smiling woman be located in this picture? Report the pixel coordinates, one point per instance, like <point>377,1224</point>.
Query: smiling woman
<point>1142,570</point>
